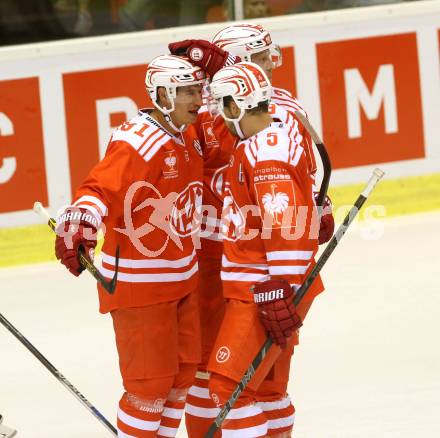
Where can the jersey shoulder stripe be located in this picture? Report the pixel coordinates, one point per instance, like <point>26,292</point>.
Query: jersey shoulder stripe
<point>285,99</point>
<point>143,134</point>
<point>281,92</point>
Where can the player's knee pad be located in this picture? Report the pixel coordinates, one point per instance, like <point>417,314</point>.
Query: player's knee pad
<point>274,385</point>
<point>186,375</point>
<point>154,388</point>
<point>200,410</point>
<point>175,403</point>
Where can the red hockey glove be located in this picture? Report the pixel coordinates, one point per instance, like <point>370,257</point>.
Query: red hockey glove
<point>76,230</point>
<point>327,223</point>
<point>276,310</point>
<point>204,54</point>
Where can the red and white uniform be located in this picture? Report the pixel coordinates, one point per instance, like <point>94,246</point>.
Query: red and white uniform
<point>146,191</point>
<point>269,173</point>
<point>218,145</point>
<point>285,100</point>
<point>152,180</point>
<point>269,220</point>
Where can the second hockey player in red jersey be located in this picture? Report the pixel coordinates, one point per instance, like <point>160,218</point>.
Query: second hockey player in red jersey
<point>247,42</point>
<point>270,225</point>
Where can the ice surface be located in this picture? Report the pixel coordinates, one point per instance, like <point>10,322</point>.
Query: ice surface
<point>368,364</point>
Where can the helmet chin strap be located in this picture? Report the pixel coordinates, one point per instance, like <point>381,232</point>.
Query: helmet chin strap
<point>235,122</point>
<point>238,129</point>
<point>170,122</point>
<point>167,113</point>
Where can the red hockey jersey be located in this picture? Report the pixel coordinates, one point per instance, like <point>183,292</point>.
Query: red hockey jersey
<point>218,145</point>
<point>270,220</point>
<point>145,191</point>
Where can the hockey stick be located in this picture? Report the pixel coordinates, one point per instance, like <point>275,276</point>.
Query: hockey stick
<point>58,375</point>
<point>299,294</point>
<point>5,431</point>
<point>323,154</point>
<point>109,286</point>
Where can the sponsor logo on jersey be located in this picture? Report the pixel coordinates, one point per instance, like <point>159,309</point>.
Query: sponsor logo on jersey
<point>209,134</point>
<point>223,354</point>
<point>275,200</point>
<point>170,165</point>
<point>272,177</point>
<point>185,216</point>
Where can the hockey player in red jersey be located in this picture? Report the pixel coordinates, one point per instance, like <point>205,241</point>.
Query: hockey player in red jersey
<point>270,226</point>
<point>245,42</point>
<point>145,193</point>
<point>251,43</point>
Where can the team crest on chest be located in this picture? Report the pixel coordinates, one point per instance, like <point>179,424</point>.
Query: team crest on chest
<point>209,134</point>
<point>185,216</point>
<point>277,203</point>
<point>170,165</point>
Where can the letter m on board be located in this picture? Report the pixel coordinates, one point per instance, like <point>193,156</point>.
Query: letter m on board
<point>358,96</point>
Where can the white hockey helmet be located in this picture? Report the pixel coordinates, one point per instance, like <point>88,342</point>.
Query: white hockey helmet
<point>244,40</point>
<point>246,83</point>
<point>171,72</point>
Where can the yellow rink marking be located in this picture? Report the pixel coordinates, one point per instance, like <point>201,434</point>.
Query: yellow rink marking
<point>35,244</point>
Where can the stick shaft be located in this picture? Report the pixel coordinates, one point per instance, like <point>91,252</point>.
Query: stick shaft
<point>109,286</point>
<point>360,201</point>
<point>57,375</point>
<point>325,159</point>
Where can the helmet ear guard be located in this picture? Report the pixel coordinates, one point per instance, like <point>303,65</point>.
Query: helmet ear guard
<point>245,40</point>
<point>246,83</point>
<point>276,55</point>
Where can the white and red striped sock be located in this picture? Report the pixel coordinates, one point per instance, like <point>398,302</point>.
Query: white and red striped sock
<point>246,422</point>
<point>280,416</point>
<point>138,418</point>
<point>172,413</point>
<point>200,410</point>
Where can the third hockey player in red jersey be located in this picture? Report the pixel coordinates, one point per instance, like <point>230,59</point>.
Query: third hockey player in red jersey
<point>245,42</point>
<point>270,227</point>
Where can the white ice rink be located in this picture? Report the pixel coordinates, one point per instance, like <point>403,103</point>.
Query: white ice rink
<point>368,365</point>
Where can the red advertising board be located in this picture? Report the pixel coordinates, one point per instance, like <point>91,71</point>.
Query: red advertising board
<point>370,100</point>
<point>284,76</point>
<point>22,164</point>
<point>82,93</point>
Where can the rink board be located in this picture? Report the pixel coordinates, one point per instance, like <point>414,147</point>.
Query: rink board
<point>35,243</point>
<point>369,79</point>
